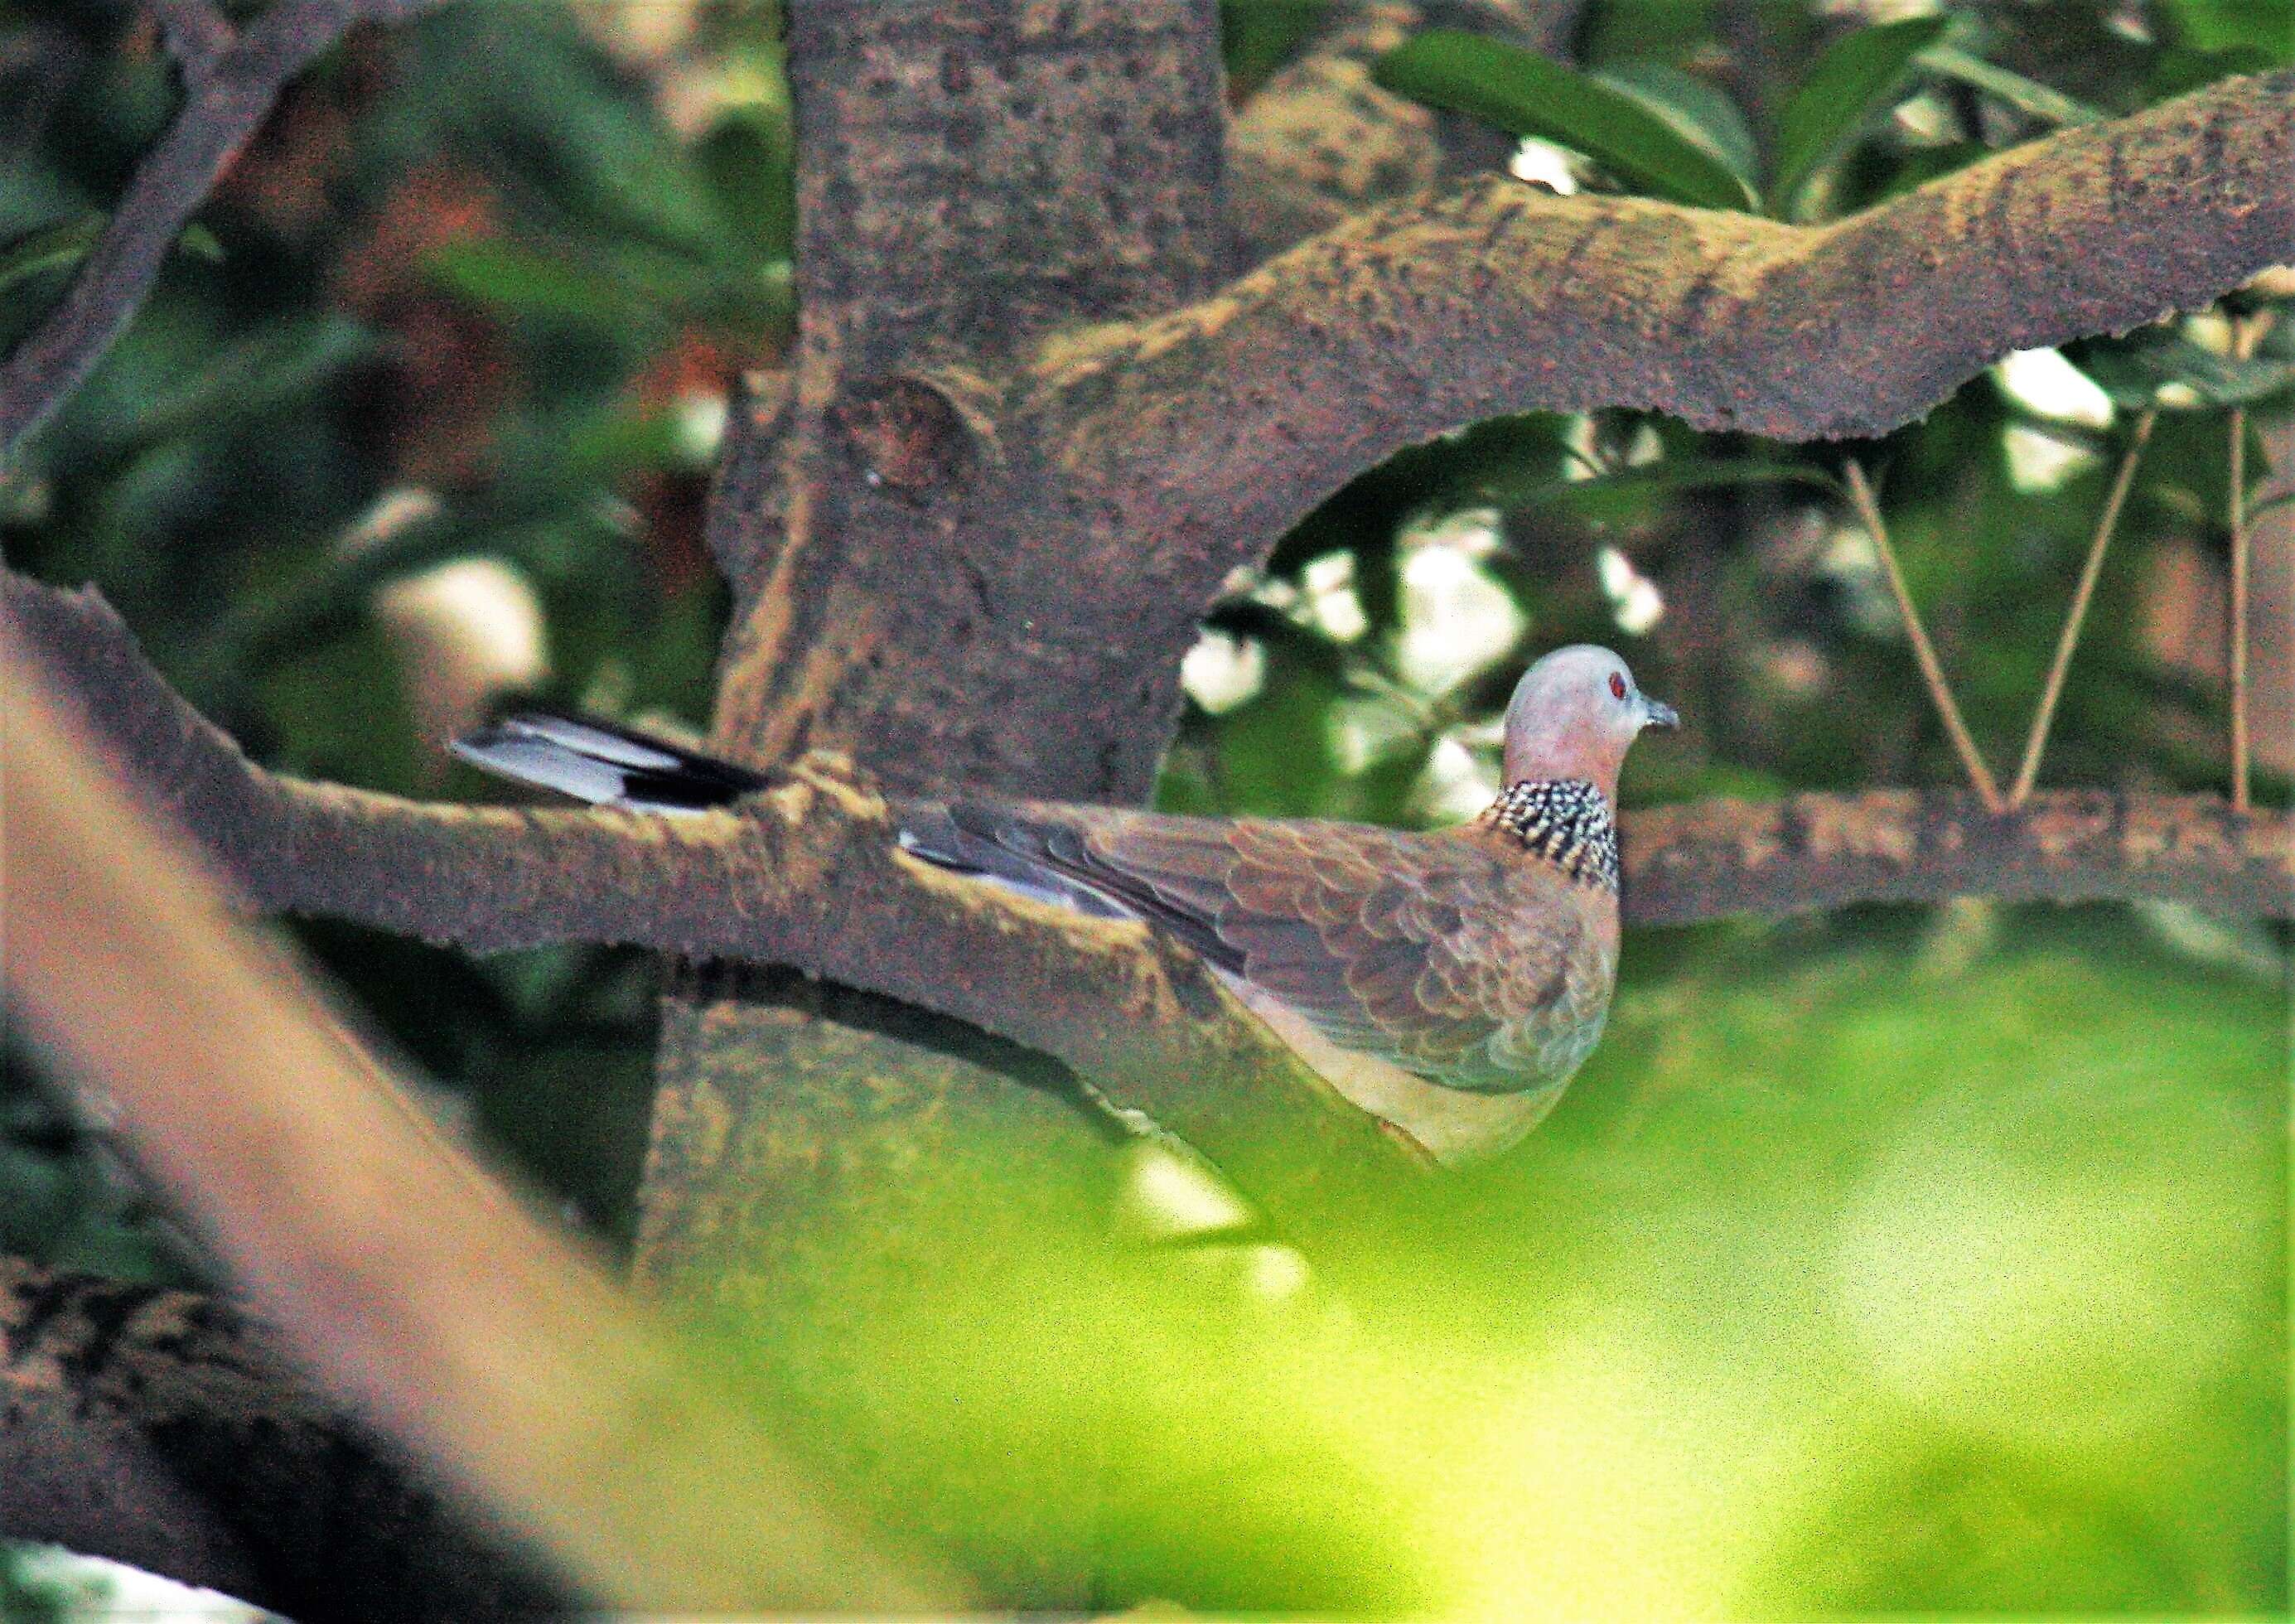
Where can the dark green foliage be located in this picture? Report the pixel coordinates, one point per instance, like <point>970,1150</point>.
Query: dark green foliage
<point>2261,27</point>
<point>1853,83</point>
<point>1258,36</point>
<point>1657,127</point>
<point>1525,93</point>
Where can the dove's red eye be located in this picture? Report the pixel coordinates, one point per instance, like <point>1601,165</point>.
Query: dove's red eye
<point>1617,686</point>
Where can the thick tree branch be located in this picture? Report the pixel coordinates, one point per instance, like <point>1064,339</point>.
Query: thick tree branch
<point>1213,428</point>
<point>230,84</point>
<point>807,875</point>
<point>161,1428</point>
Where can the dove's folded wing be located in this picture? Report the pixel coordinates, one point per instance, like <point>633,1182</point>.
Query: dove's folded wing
<point>1449,955</point>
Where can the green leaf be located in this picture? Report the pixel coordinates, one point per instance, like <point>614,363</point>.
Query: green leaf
<point>520,282</point>
<point>43,249</point>
<point>1619,493</point>
<point>1696,110</point>
<point>2234,25</point>
<point>747,162</point>
<point>2178,70</point>
<point>277,366</point>
<point>1525,93</point>
<point>2040,100</point>
<point>1857,80</point>
<point>566,137</point>
<point>1259,36</point>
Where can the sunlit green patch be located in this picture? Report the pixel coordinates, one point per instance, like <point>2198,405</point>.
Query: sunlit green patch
<point>1855,1274</point>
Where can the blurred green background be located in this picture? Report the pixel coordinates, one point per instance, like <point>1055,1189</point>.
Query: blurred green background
<point>1898,1260</point>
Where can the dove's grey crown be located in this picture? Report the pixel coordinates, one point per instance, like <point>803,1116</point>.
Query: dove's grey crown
<point>1567,821</point>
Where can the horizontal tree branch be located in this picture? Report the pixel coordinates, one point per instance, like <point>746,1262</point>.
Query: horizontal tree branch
<point>1215,427</point>
<point>231,82</point>
<point>163,1429</point>
<point>808,875</point>
<point>1698,861</point>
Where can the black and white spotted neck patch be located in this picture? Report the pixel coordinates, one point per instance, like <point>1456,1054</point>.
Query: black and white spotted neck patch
<point>1567,821</point>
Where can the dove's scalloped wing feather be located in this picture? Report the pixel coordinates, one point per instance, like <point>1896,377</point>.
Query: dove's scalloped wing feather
<point>1456,955</point>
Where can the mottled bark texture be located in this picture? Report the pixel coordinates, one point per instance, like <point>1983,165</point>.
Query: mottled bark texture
<point>1215,427</point>
<point>968,179</point>
<point>161,1428</point>
<point>1319,142</point>
<point>1691,862</point>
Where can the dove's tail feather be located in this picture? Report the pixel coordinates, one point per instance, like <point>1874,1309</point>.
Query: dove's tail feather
<point>604,765</point>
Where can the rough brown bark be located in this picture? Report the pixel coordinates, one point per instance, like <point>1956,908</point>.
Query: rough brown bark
<point>1213,428</point>
<point>1685,864</point>
<point>895,613</point>
<point>967,178</point>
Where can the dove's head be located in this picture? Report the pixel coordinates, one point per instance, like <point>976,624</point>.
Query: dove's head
<point>1572,716</point>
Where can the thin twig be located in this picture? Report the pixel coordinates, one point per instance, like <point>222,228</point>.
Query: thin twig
<point>2036,743</point>
<point>230,90</point>
<point>197,34</point>
<point>1931,673</point>
<point>2245,335</point>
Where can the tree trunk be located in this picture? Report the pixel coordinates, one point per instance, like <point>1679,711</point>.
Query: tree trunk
<point>906,581</point>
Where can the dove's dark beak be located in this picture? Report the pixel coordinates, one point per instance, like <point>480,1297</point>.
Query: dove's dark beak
<point>1657,713</point>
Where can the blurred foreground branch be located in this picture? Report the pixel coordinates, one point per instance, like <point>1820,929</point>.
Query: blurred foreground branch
<point>231,80</point>
<point>394,1269</point>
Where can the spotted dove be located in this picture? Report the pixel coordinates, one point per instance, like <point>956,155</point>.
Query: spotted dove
<point>1448,982</point>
